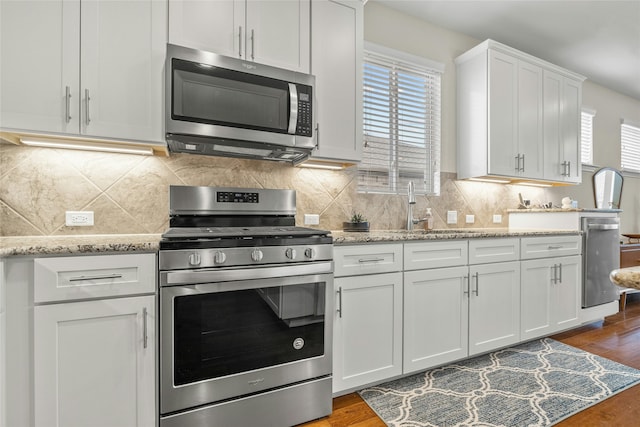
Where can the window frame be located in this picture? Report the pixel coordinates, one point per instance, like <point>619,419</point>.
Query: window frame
<point>631,130</point>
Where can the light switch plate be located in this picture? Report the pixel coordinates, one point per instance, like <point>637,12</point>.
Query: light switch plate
<point>497,219</point>
<point>452,217</point>
<point>470,219</point>
<point>311,219</point>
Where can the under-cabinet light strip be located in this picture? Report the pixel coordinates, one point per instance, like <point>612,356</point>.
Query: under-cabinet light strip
<point>51,143</point>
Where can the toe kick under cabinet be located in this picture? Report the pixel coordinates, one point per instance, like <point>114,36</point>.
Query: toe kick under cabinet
<point>94,340</point>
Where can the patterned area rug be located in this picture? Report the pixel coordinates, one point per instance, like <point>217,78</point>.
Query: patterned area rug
<point>534,384</point>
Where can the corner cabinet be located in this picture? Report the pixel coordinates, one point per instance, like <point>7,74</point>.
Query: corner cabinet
<point>367,338</point>
<point>336,62</point>
<point>93,68</point>
<point>275,33</point>
<point>94,360</point>
<point>518,116</point>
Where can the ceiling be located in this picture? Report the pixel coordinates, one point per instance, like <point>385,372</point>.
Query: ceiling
<point>598,39</point>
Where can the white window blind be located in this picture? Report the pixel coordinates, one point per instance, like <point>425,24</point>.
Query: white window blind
<point>630,142</point>
<point>401,126</point>
<point>586,140</point>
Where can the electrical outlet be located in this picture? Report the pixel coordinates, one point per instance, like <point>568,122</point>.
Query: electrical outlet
<point>311,219</point>
<point>78,218</point>
<point>497,219</point>
<point>470,219</point>
<point>452,217</point>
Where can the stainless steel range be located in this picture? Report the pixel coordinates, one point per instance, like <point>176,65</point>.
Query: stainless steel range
<point>245,311</point>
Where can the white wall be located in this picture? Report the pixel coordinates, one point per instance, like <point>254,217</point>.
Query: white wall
<point>396,30</point>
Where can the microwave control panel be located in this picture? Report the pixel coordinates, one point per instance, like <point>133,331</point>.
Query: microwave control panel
<point>305,117</point>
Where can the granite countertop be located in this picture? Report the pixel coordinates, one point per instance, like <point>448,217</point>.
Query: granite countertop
<point>101,243</point>
<point>341,237</point>
<point>537,210</point>
<point>63,245</point>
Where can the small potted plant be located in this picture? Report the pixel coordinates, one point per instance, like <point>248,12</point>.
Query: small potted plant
<point>357,223</point>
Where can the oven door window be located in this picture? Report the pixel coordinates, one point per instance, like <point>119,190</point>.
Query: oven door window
<point>217,96</point>
<point>225,333</point>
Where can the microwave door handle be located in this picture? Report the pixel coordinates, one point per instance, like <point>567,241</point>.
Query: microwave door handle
<point>293,109</point>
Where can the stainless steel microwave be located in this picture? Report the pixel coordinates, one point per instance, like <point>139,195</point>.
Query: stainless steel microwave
<point>217,105</point>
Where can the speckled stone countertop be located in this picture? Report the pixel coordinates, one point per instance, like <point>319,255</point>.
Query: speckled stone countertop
<point>380,236</point>
<point>85,244</point>
<point>539,210</point>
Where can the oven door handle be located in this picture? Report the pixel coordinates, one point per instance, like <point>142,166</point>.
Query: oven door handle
<point>192,277</point>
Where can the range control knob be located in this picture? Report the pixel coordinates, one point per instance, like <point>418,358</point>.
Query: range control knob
<point>219,257</point>
<point>257,255</point>
<point>309,253</point>
<point>291,253</point>
<point>194,259</point>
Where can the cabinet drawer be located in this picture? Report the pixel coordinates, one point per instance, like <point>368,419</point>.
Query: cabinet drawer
<point>367,259</point>
<point>83,277</point>
<point>422,255</point>
<point>482,251</point>
<point>550,246</point>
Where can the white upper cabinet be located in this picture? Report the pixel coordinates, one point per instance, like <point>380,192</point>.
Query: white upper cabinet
<point>514,120</point>
<point>336,61</point>
<point>562,110</point>
<point>91,68</point>
<point>275,33</point>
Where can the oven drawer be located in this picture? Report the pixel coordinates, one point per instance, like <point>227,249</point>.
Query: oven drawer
<point>367,259</point>
<point>85,277</point>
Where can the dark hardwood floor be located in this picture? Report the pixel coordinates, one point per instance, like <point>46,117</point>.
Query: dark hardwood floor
<point>616,338</point>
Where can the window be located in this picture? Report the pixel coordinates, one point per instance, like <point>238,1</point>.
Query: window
<point>630,146</point>
<point>586,140</point>
<point>401,123</point>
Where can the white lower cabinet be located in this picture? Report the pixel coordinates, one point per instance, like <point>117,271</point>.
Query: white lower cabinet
<point>367,330</point>
<point>94,359</point>
<point>94,363</point>
<point>494,306</point>
<point>436,314</point>
<point>550,295</point>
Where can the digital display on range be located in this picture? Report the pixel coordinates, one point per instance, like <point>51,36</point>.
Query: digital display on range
<point>235,197</point>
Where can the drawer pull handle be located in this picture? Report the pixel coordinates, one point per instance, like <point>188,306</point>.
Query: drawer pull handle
<point>106,276</point>
<point>339,310</point>
<point>364,260</point>
<point>554,247</point>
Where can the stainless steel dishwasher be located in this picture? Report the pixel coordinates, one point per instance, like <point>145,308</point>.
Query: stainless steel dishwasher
<point>601,255</point>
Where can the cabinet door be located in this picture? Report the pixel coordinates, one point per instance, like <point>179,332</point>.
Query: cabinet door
<point>566,295</point>
<point>214,26</point>
<point>494,306</point>
<point>503,123</point>
<point>278,33</point>
<point>39,53</point>
<point>94,363</point>
<point>536,300</point>
<point>122,49</point>
<point>571,129</point>
<point>552,96</point>
<point>367,342</point>
<point>435,317</point>
<point>336,61</point>
<point>529,113</point>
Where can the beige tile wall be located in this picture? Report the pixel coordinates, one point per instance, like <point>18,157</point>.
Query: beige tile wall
<point>129,194</point>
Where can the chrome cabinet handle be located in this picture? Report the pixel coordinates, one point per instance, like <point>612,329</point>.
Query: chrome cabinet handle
<point>253,43</point>
<point>551,247</point>
<point>466,279</point>
<point>317,136</point>
<point>522,170</point>
<point>477,276</point>
<point>517,163</point>
<point>67,102</point>
<point>144,328</point>
<point>339,309</point>
<point>568,168</point>
<point>364,260</point>
<point>240,41</point>
<point>102,277</point>
<point>554,279</point>
<point>560,269</point>
<point>87,99</point>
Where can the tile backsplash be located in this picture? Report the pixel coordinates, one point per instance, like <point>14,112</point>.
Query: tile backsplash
<point>129,194</point>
